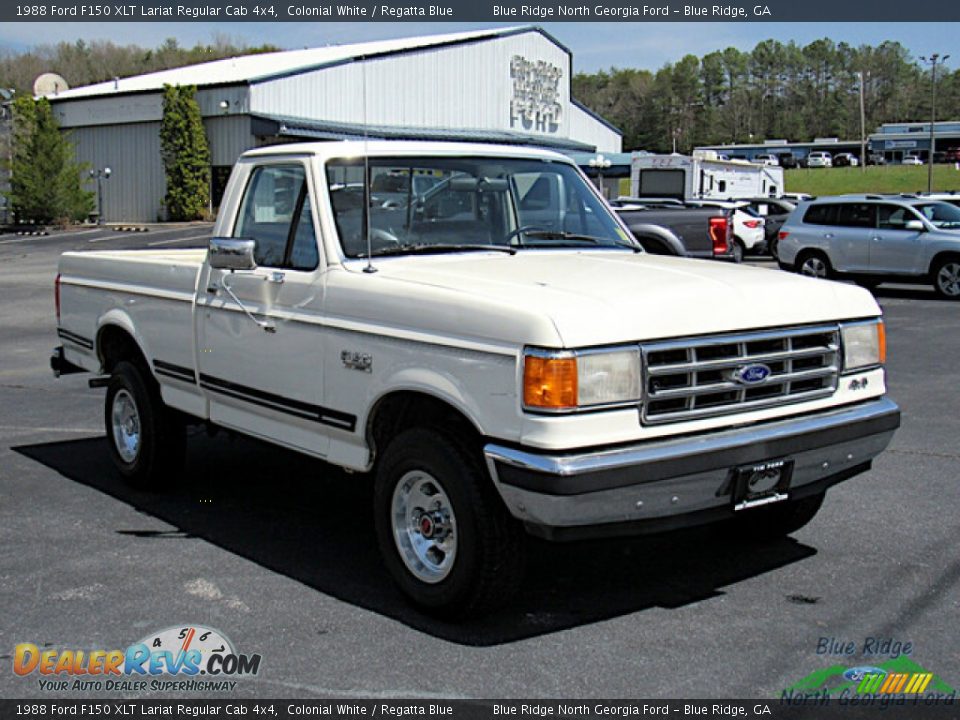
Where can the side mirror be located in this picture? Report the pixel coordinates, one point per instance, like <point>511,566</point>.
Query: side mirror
<point>231,254</point>
<point>915,225</point>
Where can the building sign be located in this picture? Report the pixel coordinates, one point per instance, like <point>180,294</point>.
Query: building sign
<point>536,95</point>
<point>893,144</point>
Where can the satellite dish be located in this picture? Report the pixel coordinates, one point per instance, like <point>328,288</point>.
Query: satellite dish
<point>49,84</point>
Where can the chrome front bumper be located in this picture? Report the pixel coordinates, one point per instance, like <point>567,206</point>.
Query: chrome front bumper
<point>663,484</point>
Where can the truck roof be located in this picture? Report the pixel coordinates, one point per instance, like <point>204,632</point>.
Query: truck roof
<point>360,148</point>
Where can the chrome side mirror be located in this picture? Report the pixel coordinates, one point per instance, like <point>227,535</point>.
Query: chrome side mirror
<point>231,254</point>
<point>916,226</point>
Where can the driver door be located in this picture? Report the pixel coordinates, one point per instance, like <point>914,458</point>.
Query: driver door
<point>260,344</point>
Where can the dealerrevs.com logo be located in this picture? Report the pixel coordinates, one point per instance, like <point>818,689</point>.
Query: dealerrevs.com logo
<point>183,658</point>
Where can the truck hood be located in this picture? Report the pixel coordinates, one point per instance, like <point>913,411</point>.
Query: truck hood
<point>603,297</point>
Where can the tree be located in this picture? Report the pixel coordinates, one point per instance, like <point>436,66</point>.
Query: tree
<point>46,180</point>
<point>185,153</point>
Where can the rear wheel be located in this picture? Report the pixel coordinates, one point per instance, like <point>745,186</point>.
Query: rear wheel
<point>773,247</point>
<point>738,249</point>
<point>445,535</point>
<point>946,278</point>
<point>147,440</point>
<point>814,264</point>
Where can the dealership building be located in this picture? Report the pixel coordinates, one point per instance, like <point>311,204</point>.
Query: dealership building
<point>891,141</point>
<point>507,85</point>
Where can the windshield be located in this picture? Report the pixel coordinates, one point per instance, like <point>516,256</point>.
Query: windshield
<point>448,204</point>
<point>940,214</point>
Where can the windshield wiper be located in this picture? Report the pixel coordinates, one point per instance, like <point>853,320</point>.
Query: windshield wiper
<point>576,237</point>
<point>437,249</point>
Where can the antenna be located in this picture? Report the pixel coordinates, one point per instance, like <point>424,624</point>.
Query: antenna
<point>366,168</point>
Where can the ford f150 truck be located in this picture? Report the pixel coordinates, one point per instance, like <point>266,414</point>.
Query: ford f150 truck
<point>492,345</point>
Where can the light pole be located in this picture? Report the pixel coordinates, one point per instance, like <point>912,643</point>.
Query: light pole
<point>100,175</point>
<point>932,62</point>
<point>600,163</point>
<point>863,127</point>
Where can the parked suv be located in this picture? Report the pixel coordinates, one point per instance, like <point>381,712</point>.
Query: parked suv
<point>874,239</point>
<point>819,159</point>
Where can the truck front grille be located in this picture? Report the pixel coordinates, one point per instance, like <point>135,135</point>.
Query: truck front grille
<point>698,377</point>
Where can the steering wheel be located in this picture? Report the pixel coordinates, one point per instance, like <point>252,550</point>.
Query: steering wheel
<point>520,230</point>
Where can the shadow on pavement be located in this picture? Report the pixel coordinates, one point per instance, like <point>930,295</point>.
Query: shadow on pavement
<point>312,522</point>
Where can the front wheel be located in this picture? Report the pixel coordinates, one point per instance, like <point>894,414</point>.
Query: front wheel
<point>445,535</point>
<point>946,278</point>
<point>147,442</point>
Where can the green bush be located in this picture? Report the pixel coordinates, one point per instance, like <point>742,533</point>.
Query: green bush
<point>46,181</point>
<point>186,154</point>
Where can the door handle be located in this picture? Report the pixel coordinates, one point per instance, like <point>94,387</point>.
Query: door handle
<point>276,277</point>
<point>828,236</point>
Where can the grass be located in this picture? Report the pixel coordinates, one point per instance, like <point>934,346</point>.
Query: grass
<point>873,179</point>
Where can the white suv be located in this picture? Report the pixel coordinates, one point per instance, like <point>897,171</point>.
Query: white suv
<point>819,159</point>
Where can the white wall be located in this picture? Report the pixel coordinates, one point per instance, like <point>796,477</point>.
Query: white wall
<point>460,87</point>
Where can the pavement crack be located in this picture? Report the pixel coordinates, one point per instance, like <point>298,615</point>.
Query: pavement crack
<point>925,453</point>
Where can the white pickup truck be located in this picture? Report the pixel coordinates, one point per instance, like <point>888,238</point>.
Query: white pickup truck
<point>474,326</point>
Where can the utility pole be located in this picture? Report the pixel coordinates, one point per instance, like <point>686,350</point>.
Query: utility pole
<point>863,128</point>
<point>932,62</point>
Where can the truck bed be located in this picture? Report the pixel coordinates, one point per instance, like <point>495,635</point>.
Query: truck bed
<point>135,289</point>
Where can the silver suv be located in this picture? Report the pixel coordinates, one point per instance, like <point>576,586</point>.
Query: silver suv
<point>873,239</point>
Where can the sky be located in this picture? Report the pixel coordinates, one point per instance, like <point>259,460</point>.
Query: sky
<point>595,46</point>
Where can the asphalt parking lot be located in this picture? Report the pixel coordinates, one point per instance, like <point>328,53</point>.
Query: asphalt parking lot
<point>278,552</point>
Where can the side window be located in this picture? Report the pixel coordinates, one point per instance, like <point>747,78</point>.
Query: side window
<point>893,217</point>
<point>303,251</point>
<point>275,214</point>
<point>822,214</point>
<point>858,215</point>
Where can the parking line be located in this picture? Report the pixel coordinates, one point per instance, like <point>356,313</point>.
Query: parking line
<point>170,241</point>
<point>58,236</point>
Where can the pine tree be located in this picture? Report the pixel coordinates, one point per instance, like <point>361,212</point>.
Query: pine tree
<point>185,153</point>
<point>46,181</point>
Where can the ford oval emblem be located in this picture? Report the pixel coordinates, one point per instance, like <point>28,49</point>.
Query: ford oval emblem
<point>751,374</point>
<point>855,674</point>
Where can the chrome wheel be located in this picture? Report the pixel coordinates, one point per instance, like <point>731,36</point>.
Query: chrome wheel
<point>424,526</point>
<point>125,420</point>
<point>813,266</point>
<point>948,279</point>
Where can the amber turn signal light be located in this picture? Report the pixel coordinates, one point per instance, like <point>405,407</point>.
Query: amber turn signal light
<point>549,383</point>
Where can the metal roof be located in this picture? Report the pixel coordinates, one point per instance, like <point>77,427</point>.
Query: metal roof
<point>251,69</point>
<point>322,130</point>
<point>390,148</point>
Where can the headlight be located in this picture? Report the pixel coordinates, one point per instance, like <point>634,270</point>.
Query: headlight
<point>567,380</point>
<point>864,345</point>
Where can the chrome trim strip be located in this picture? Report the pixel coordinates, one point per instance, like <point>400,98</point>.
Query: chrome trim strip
<point>707,340</point>
<point>578,464</point>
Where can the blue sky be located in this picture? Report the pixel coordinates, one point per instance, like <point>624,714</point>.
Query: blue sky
<point>595,45</point>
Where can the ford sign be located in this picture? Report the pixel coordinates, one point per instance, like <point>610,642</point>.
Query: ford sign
<point>751,374</point>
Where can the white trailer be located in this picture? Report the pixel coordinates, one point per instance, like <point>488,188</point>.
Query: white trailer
<point>702,177</point>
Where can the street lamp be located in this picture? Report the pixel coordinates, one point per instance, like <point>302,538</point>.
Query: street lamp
<point>600,163</point>
<point>932,62</point>
<point>100,175</point>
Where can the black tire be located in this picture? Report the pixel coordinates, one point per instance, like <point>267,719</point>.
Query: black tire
<point>946,278</point>
<point>772,248</point>
<point>809,260</point>
<point>738,250</point>
<point>487,565</point>
<point>776,521</point>
<point>161,446</point>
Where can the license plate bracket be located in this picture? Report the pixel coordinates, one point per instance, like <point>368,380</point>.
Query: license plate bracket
<point>761,483</point>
